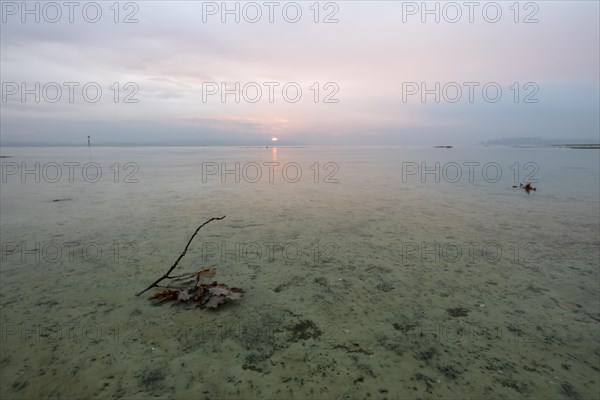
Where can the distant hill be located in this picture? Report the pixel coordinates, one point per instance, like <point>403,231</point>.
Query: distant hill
<point>537,141</point>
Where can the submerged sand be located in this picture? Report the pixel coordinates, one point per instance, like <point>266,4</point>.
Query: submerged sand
<point>339,302</point>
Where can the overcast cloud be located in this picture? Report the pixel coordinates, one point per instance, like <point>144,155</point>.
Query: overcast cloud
<point>170,57</point>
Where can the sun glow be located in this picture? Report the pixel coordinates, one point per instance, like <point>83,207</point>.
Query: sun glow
<point>274,139</point>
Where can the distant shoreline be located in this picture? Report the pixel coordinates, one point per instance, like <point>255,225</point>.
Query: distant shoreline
<point>567,146</point>
<point>577,146</point>
<point>125,145</point>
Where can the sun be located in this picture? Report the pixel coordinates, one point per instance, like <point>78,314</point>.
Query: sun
<point>274,139</point>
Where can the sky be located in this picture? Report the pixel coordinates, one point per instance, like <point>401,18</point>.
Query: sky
<point>354,72</point>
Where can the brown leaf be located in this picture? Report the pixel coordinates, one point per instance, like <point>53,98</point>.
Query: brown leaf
<point>205,273</point>
<point>569,304</point>
<point>183,295</point>
<point>566,304</point>
<point>214,301</point>
<point>212,295</point>
<point>199,293</point>
<point>219,290</point>
<point>235,293</point>
<point>165,295</point>
<point>218,293</point>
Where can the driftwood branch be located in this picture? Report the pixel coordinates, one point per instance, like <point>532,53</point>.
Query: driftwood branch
<point>166,276</point>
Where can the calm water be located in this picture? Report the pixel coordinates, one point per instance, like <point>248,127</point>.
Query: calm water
<point>381,272</point>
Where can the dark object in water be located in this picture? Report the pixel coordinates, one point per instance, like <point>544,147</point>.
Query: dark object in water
<point>211,295</point>
<point>527,187</point>
<point>57,200</point>
<point>188,287</point>
<point>442,147</point>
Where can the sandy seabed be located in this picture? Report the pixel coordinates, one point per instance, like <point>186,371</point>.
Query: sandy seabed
<point>369,288</point>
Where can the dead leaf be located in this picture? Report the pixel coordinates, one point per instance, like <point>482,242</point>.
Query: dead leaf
<point>200,291</point>
<point>165,295</point>
<point>235,293</point>
<point>211,295</point>
<point>183,295</point>
<point>205,273</point>
<point>219,290</point>
<point>214,301</point>
<point>569,304</point>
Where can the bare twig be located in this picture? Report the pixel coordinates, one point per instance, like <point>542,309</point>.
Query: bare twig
<point>166,276</point>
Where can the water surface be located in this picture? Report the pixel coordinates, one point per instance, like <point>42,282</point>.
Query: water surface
<point>363,276</point>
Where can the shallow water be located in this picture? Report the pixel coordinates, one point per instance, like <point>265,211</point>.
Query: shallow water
<point>384,284</point>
